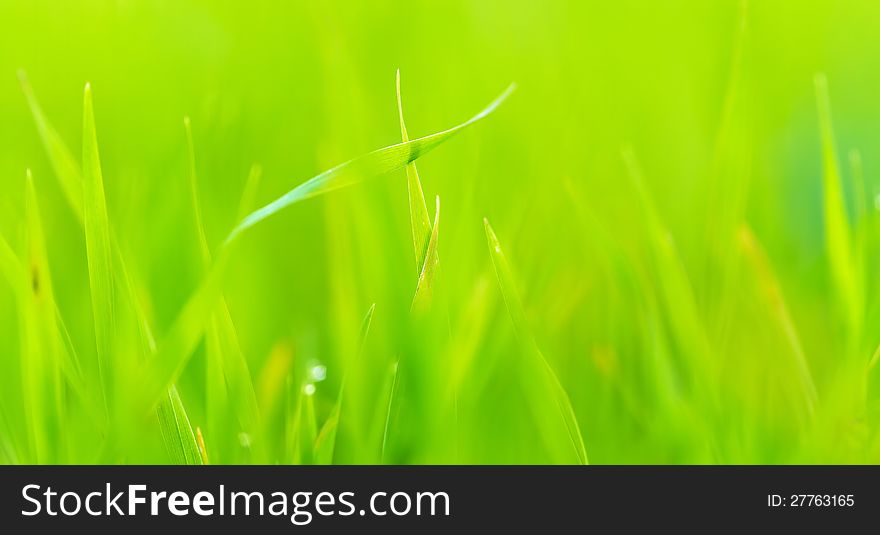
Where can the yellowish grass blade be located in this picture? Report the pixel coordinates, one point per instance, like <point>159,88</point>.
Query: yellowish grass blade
<point>424,289</point>
<point>418,210</point>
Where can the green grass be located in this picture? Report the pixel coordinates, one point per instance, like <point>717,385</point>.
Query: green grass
<point>679,266</point>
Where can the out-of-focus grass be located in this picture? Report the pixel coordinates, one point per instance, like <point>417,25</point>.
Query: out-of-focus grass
<point>688,238</point>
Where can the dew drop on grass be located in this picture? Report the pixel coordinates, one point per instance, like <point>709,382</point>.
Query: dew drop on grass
<point>318,372</point>
<point>309,389</point>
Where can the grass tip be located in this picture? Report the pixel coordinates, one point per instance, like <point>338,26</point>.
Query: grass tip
<point>490,234</point>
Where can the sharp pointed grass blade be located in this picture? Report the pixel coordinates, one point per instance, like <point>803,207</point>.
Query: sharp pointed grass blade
<point>249,192</point>
<point>420,222</point>
<point>69,174</point>
<point>174,350</point>
<point>216,398</point>
<point>303,430</point>
<point>325,445</point>
<point>389,411</point>
<point>236,373</point>
<point>523,333</point>
<point>63,163</point>
<point>422,299</point>
<point>326,440</point>
<point>41,363</point>
<point>177,432</point>
<point>229,379</point>
<point>204,250</point>
<point>838,240</point>
<point>17,277</point>
<point>97,231</point>
<point>370,165</point>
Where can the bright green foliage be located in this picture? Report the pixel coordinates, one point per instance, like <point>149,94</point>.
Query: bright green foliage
<point>706,295</point>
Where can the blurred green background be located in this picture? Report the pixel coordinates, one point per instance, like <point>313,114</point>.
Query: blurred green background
<point>699,321</point>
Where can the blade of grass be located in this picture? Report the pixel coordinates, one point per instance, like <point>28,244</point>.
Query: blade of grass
<point>177,432</point>
<point>325,444</point>
<point>422,298</point>
<point>228,378</point>
<point>21,443</point>
<point>373,164</point>
<point>63,163</point>
<point>530,347</point>
<point>17,278</point>
<point>204,250</point>
<point>863,222</point>
<point>395,368</point>
<point>69,175</point>
<point>43,348</point>
<point>418,210</point>
<point>97,231</point>
<point>837,227</point>
<point>174,350</point>
<point>302,427</point>
<point>249,192</point>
